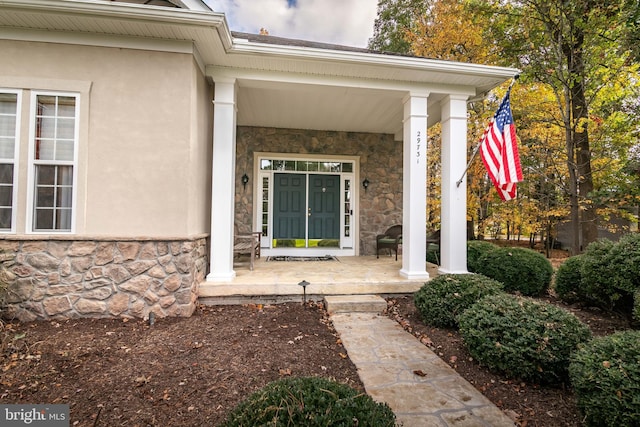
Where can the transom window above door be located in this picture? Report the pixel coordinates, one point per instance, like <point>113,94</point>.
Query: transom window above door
<point>305,166</point>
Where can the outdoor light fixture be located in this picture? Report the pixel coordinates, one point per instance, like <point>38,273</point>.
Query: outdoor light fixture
<point>304,285</point>
<point>365,184</point>
<point>245,180</point>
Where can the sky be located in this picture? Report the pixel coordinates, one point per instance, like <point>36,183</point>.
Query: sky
<point>344,22</point>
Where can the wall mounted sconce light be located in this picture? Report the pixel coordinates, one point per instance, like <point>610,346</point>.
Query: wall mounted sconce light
<point>245,180</point>
<point>365,184</point>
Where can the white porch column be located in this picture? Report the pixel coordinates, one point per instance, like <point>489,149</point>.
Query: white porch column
<point>222,186</point>
<point>414,183</point>
<point>453,246</point>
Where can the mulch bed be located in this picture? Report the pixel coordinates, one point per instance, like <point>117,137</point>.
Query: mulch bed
<point>178,372</point>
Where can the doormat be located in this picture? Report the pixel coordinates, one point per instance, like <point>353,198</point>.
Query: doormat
<point>302,258</point>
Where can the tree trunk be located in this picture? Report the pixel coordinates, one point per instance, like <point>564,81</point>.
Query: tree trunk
<point>579,140</point>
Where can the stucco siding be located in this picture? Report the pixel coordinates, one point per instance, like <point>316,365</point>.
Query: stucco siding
<point>144,123</point>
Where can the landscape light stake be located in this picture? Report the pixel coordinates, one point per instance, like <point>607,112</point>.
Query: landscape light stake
<point>304,284</point>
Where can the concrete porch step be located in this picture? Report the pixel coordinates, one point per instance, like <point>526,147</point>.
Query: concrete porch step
<point>354,303</point>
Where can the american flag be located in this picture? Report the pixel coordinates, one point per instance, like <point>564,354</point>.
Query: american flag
<point>499,150</point>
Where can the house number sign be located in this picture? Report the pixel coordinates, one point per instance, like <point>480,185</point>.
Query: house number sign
<point>418,145</point>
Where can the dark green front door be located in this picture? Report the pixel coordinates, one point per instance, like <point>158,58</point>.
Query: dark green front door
<point>289,206</point>
<point>324,202</point>
<point>294,214</point>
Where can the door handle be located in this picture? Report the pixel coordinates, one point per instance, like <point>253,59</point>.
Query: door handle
<point>309,212</point>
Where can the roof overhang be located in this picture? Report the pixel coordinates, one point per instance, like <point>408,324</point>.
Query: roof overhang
<point>297,84</point>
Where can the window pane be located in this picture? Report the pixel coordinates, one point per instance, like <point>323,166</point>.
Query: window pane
<point>63,219</point>
<point>265,164</point>
<point>8,102</point>
<point>347,167</point>
<point>64,150</point>
<point>6,195</point>
<point>66,106</point>
<point>44,197</point>
<point>44,219</point>
<point>5,218</point>
<point>45,175</point>
<point>7,125</point>
<point>44,149</point>
<point>45,127</point>
<point>46,105</point>
<point>65,175</point>
<point>63,197</point>
<point>6,174</point>
<point>66,128</point>
<point>7,148</point>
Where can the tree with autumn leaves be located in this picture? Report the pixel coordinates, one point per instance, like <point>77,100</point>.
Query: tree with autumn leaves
<point>575,106</point>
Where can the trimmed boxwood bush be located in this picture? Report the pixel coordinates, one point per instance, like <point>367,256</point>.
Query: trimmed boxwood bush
<point>476,250</point>
<point>520,269</point>
<point>443,298</point>
<point>611,272</point>
<point>605,374</point>
<point>310,401</point>
<point>624,259</point>
<point>568,284</point>
<point>521,337</point>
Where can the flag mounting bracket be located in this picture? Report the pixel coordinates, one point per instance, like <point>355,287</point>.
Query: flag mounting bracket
<point>475,151</point>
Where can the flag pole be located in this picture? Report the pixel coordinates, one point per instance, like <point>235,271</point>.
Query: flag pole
<point>475,151</point>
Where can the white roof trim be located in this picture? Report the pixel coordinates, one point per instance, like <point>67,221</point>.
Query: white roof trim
<point>243,46</point>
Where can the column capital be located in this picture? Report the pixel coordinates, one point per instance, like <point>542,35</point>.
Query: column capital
<point>415,94</point>
<point>453,107</point>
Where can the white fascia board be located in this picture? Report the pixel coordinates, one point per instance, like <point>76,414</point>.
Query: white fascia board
<point>129,11</point>
<point>100,40</point>
<point>261,77</point>
<point>242,46</point>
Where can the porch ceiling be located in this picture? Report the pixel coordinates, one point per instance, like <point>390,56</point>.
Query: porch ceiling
<point>306,106</point>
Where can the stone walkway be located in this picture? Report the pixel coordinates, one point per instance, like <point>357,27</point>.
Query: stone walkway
<point>387,359</point>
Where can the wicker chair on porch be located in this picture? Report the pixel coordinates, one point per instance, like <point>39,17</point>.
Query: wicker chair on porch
<point>391,239</point>
<point>248,244</point>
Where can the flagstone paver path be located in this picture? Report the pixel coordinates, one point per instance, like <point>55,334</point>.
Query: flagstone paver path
<point>420,388</point>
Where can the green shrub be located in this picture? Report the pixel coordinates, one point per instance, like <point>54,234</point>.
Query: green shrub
<point>605,374</point>
<point>636,305</point>
<point>443,298</point>
<point>522,338</point>
<point>568,284</point>
<point>520,269</point>
<point>310,402</point>
<point>624,260</point>
<point>476,250</point>
<point>607,277</point>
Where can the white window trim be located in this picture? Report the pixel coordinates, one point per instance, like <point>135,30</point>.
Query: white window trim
<point>32,163</point>
<point>16,158</point>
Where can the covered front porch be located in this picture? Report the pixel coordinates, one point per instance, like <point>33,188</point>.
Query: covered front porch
<point>277,281</point>
<point>305,114</point>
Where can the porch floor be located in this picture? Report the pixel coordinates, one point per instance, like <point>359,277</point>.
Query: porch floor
<point>277,281</point>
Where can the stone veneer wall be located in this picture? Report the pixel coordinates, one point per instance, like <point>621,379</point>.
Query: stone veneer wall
<point>380,163</point>
<point>65,277</point>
